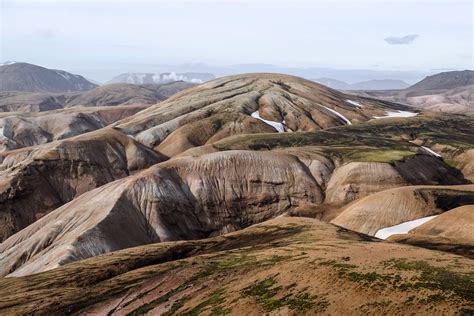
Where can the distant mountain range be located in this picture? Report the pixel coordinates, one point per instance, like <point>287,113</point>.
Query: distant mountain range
<point>32,78</point>
<point>380,84</point>
<point>151,78</point>
<point>106,95</point>
<point>446,80</point>
<point>451,91</point>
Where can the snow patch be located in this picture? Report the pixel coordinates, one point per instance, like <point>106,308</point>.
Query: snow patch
<point>428,150</point>
<point>2,135</point>
<point>8,62</point>
<point>338,114</point>
<point>431,151</point>
<point>65,75</point>
<point>402,228</point>
<point>354,103</point>
<point>397,114</point>
<point>276,125</point>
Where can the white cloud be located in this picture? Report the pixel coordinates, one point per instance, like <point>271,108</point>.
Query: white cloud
<point>403,40</point>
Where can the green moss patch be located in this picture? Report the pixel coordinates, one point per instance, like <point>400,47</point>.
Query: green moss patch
<point>459,284</point>
<point>265,293</point>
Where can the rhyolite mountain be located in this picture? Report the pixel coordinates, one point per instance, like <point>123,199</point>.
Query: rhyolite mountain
<point>163,210</point>
<point>33,78</point>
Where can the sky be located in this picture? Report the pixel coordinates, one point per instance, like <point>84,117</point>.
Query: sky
<point>100,38</point>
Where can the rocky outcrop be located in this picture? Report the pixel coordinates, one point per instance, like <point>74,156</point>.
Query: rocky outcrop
<point>399,205</point>
<point>36,180</point>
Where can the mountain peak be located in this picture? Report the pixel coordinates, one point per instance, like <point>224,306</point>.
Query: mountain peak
<point>18,76</point>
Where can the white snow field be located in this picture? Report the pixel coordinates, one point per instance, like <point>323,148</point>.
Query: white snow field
<point>431,151</point>
<point>276,125</point>
<point>397,114</point>
<point>338,114</point>
<point>354,103</point>
<point>402,228</point>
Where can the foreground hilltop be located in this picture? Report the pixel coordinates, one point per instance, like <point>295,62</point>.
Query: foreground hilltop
<point>291,266</point>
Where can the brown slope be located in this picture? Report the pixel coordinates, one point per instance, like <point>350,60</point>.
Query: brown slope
<point>399,205</point>
<point>303,106</point>
<point>107,95</point>
<point>290,266</point>
<point>36,180</point>
<point>454,100</point>
<point>444,92</point>
<point>451,231</point>
<point>183,198</point>
<point>28,129</point>
<point>17,101</point>
<point>455,224</point>
<point>126,94</point>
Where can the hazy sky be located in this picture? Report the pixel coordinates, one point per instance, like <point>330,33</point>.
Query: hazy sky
<point>85,35</point>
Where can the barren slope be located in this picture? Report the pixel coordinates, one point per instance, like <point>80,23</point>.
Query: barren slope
<point>196,197</point>
<point>450,231</point>
<point>291,266</point>
<point>36,180</point>
<point>229,105</point>
<point>399,205</point>
<point>185,198</point>
<point>107,95</point>
<point>28,129</point>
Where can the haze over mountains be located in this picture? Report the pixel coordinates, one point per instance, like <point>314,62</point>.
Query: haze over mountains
<point>383,84</point>
<point>445,92</point>
<point>150,78</point>
<point>147,198</point>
